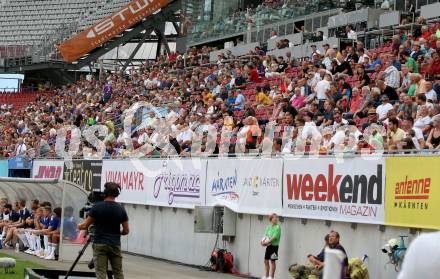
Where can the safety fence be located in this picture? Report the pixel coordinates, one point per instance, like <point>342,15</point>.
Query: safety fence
<point>397,190</point>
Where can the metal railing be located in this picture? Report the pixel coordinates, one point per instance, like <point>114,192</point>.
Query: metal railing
<point>236,24</point>
<point>293,155</point>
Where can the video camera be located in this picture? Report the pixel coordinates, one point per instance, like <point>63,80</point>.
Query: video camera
<point>94,197</point>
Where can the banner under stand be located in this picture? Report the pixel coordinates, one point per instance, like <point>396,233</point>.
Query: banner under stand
<point>245,185</point>
<point>350,191</point>
<point>48,169</point>
<point>86,173</point>
<point>170,183</point>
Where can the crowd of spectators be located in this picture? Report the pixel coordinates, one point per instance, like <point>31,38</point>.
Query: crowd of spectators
<point>346,100</point>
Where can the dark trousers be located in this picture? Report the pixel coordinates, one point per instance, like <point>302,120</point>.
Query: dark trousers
<point>321,105</point>
<point>103,254</point>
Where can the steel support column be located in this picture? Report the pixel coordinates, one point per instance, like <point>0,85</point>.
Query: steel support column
<point>138,46</point>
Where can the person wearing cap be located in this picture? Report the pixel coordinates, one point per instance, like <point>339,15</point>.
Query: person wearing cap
<point>416,51</point>
<point>372,116</point>
<point>337,52</point>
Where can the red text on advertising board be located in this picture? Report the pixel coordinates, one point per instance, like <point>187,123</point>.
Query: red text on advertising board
<point>331,187</point>
<point>128,180</point>
<point>413,189</point>
<point>49,172</point>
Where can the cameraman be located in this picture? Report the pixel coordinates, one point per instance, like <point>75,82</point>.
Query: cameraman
<point>107,216</point>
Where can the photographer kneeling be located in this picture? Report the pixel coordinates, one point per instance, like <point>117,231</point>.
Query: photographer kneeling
<point>107,216</point>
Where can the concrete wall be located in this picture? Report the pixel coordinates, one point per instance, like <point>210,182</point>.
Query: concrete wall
<point>295,39</point>
<point>304,50</point>
<point>238,50</point>
<point>169,234</point>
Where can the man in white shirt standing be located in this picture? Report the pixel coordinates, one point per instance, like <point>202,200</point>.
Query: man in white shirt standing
<point>321,89</point>
<point>351,34</point>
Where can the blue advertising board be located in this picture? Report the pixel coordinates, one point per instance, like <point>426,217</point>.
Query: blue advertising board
<point>20,163</point>
<point>3,168</point>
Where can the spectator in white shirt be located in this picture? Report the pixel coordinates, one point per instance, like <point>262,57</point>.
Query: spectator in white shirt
<point>423,120</point>
<point>315,55</point>
<point>273,35</point>
<point>151,83</point>
<point>430,93</point>
<point>382,109</point>
<point>392,75</point>
<point>321,89</point>
<point>148,136</point>
<point>329,57</point>
<point>185,136</point>
<point>20,148</point>
<point>289,147</point>
<point>362,56</point>
<point>351,34</point>
<point>415,133</point>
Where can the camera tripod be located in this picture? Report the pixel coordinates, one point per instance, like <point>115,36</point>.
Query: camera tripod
<point>80,254</point>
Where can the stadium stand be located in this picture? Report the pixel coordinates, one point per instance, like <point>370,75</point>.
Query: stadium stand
<point>211,92</point>
<point>331,85</point>
<point>30,26</point>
